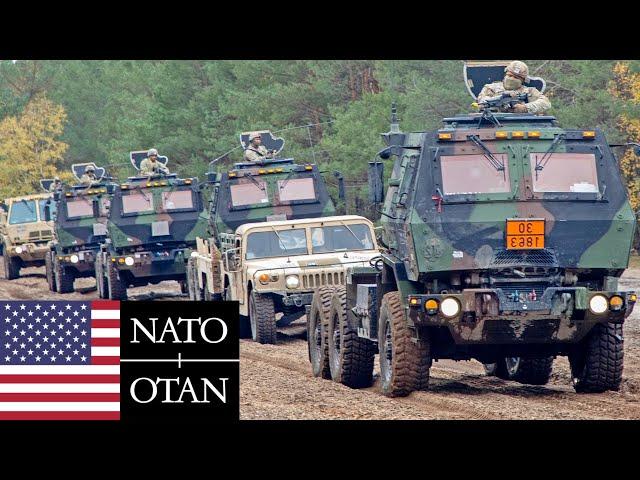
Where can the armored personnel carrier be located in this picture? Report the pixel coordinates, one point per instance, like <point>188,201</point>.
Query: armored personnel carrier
<point>505,237</point>
<point>80,226</point>
<point>274,189</point>
<point>152,228</point>
<point>24,233</point>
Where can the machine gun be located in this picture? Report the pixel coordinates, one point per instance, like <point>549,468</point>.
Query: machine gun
<point>506,100</point>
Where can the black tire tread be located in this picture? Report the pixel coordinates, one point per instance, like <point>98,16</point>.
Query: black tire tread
<point>11,266</point>
<point>604,359</point>
<point>320,309</point>
<point>63,279</point>
<point>534,371</point>
<point>116,289</point>
<point>266,331</point>
<point>48,265</point>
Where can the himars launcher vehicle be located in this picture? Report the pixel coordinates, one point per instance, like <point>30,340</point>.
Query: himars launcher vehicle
<point>505,237</point>
<point>80,225</point>
<point>152,228</point>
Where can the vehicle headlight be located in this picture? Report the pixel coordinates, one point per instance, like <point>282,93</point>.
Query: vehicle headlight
<point>450,307</point>
<point>128,261</point>
<point>292,281</point>
<point>598,304</point>
<point>18,249</point>
<point>74,258</point>
<point>194,254</point>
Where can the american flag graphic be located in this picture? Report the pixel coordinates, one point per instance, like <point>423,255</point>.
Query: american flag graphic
<point>59,360</point>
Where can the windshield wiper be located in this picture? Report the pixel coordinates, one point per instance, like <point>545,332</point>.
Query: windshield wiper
<point>257,184</point>
<point>547,155</point>
<point>280,239</point>
<point>354,235</point>
<point>498,165</point>
<point>286,179</point>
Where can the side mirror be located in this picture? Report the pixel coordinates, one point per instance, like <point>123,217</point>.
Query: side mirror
<point>341,192</point>
<point>376,182</point>
<point>385,153</point>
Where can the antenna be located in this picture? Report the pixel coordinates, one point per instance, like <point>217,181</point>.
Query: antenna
<point>395,125</point>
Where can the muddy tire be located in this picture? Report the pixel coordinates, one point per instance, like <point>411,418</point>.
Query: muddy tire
<point>530,371</point>
<point>350,357</point>
<point>116,289</point>
<point>262,316</point>
<point>48,265</point>
<point>597,365</point>
<point>63,279</point>
<point>404,360</point>
<point>317,328</point>
<point>496,369</point>
<point>11,266</point>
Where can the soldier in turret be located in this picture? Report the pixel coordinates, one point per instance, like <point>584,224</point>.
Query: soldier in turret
<point>256,152</point>
<point>151,166</point>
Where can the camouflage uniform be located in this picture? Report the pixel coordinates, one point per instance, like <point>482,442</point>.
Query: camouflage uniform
<point>256,154</point>
<point>87,179</point>
<point>148,168</point>
<point>538,102</point>
<point>54,186</point>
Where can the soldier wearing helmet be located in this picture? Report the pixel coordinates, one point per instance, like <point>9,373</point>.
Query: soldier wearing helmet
<point>89,176</point>
<point>56,184</point>
<point>256,152</point>
<point>151,166</point>
<point>516,74</point>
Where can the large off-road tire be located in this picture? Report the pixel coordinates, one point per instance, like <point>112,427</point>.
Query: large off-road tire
<point>598,363</point>
<point>102,285</point>
<point>64,279</point>
<point>531,371</point>
<point>262,316</point>
<point>404,360</point>
<point>11,266</point>
<point>350,357</point>
<point>116,289</point>
<point>48,265</point>
<point>317,328</point>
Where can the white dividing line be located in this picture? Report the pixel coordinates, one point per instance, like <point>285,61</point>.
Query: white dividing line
<point>59,388</point>
<point>59,406</point>
<point>105,333</point>
<point>105,314</point>
<point>105,351</point>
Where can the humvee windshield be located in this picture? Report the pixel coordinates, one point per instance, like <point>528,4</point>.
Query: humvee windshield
<point>83,207</point>
<point>23,211</point>
<point>52,207</point>
<point>280,244</point>
<point>470,174</point>
<point>564,172</point>
<point>335,238</point>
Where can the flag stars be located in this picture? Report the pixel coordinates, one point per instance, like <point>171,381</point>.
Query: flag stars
<point>53,358</point>
<point>14,313</point>
<point>45,352</point>
<point>7,307</point>
<point>38,357</point>
<point>7,320</point>
<point>75,339</point>
<point>75,326</point>
<point>23,306</point>
<point>83,320</point>
<point>30,313</point>
<point>83,358</point>
<point>67,306</point>
<point>38,307</point>
<point>38,319</point>
<point>75,352</point>
<point>29,352</point>
<point>30,326</point>
<point>61,313</point>
<point>76,313</point>
<point>68,358</point>
<point>53,306</point>
<point>7,359</point>
<point>30,339</point>
<point>23,358</point>
<point>68,320</point>
<point>45,314</point>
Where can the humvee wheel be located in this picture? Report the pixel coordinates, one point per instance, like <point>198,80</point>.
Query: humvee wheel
<point>531,371</point>
<point>350,357</point>
<point>62,278</point>
<point>11,266</point>
<point>262,316</point>
<point>404,361</point>
<point>597,365</point>
<point>116,290</point>
<point>317,325</point>
<point>497,369</point>
<point>48,265</point>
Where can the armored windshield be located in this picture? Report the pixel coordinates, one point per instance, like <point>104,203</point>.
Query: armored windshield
<point>137,202</point>
<point>337,238</point>
<point>23,211</point>
<point>249,193</point>
<point>564,172</point>
<point>177,200</point>
<point>83,207</point>
<point>472,174</point>
<point>277,244</point>
<point>296,189</point>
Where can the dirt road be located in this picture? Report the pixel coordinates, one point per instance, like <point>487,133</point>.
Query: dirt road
<point>276,381</point>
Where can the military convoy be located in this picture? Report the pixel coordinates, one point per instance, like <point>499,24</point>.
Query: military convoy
<point>504,237</point>
<point>24,233</point>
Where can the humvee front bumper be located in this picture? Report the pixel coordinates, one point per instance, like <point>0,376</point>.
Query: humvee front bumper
<point>151,263</point>
<point>489,316</point>
<point>29,252</point>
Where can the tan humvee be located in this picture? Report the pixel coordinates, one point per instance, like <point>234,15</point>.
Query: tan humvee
<point>274,267</point>
<point>24,233</point>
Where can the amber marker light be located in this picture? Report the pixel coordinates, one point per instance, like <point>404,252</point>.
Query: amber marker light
<point>589,134</point>
<point>533,134</point>
<point>517,134</point>
<point>431,306</point>
<point>444,136</point>
<point>616,302</point>
<point>502,135</point>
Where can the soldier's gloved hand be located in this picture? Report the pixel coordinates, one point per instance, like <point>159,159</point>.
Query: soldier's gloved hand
<point>520,108</point>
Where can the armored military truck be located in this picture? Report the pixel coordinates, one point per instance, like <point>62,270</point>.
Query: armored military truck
<point>24,233</point>
<point>505,237</point>
<point>274,267</point>
<point>80,227</point>
<point>268,190</point>
<point>151,230</point>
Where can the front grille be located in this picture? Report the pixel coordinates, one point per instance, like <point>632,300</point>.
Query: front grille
<point>543,258</point>
<point>510,289</point>
<point>315,280</point>
<point>40,235</point>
